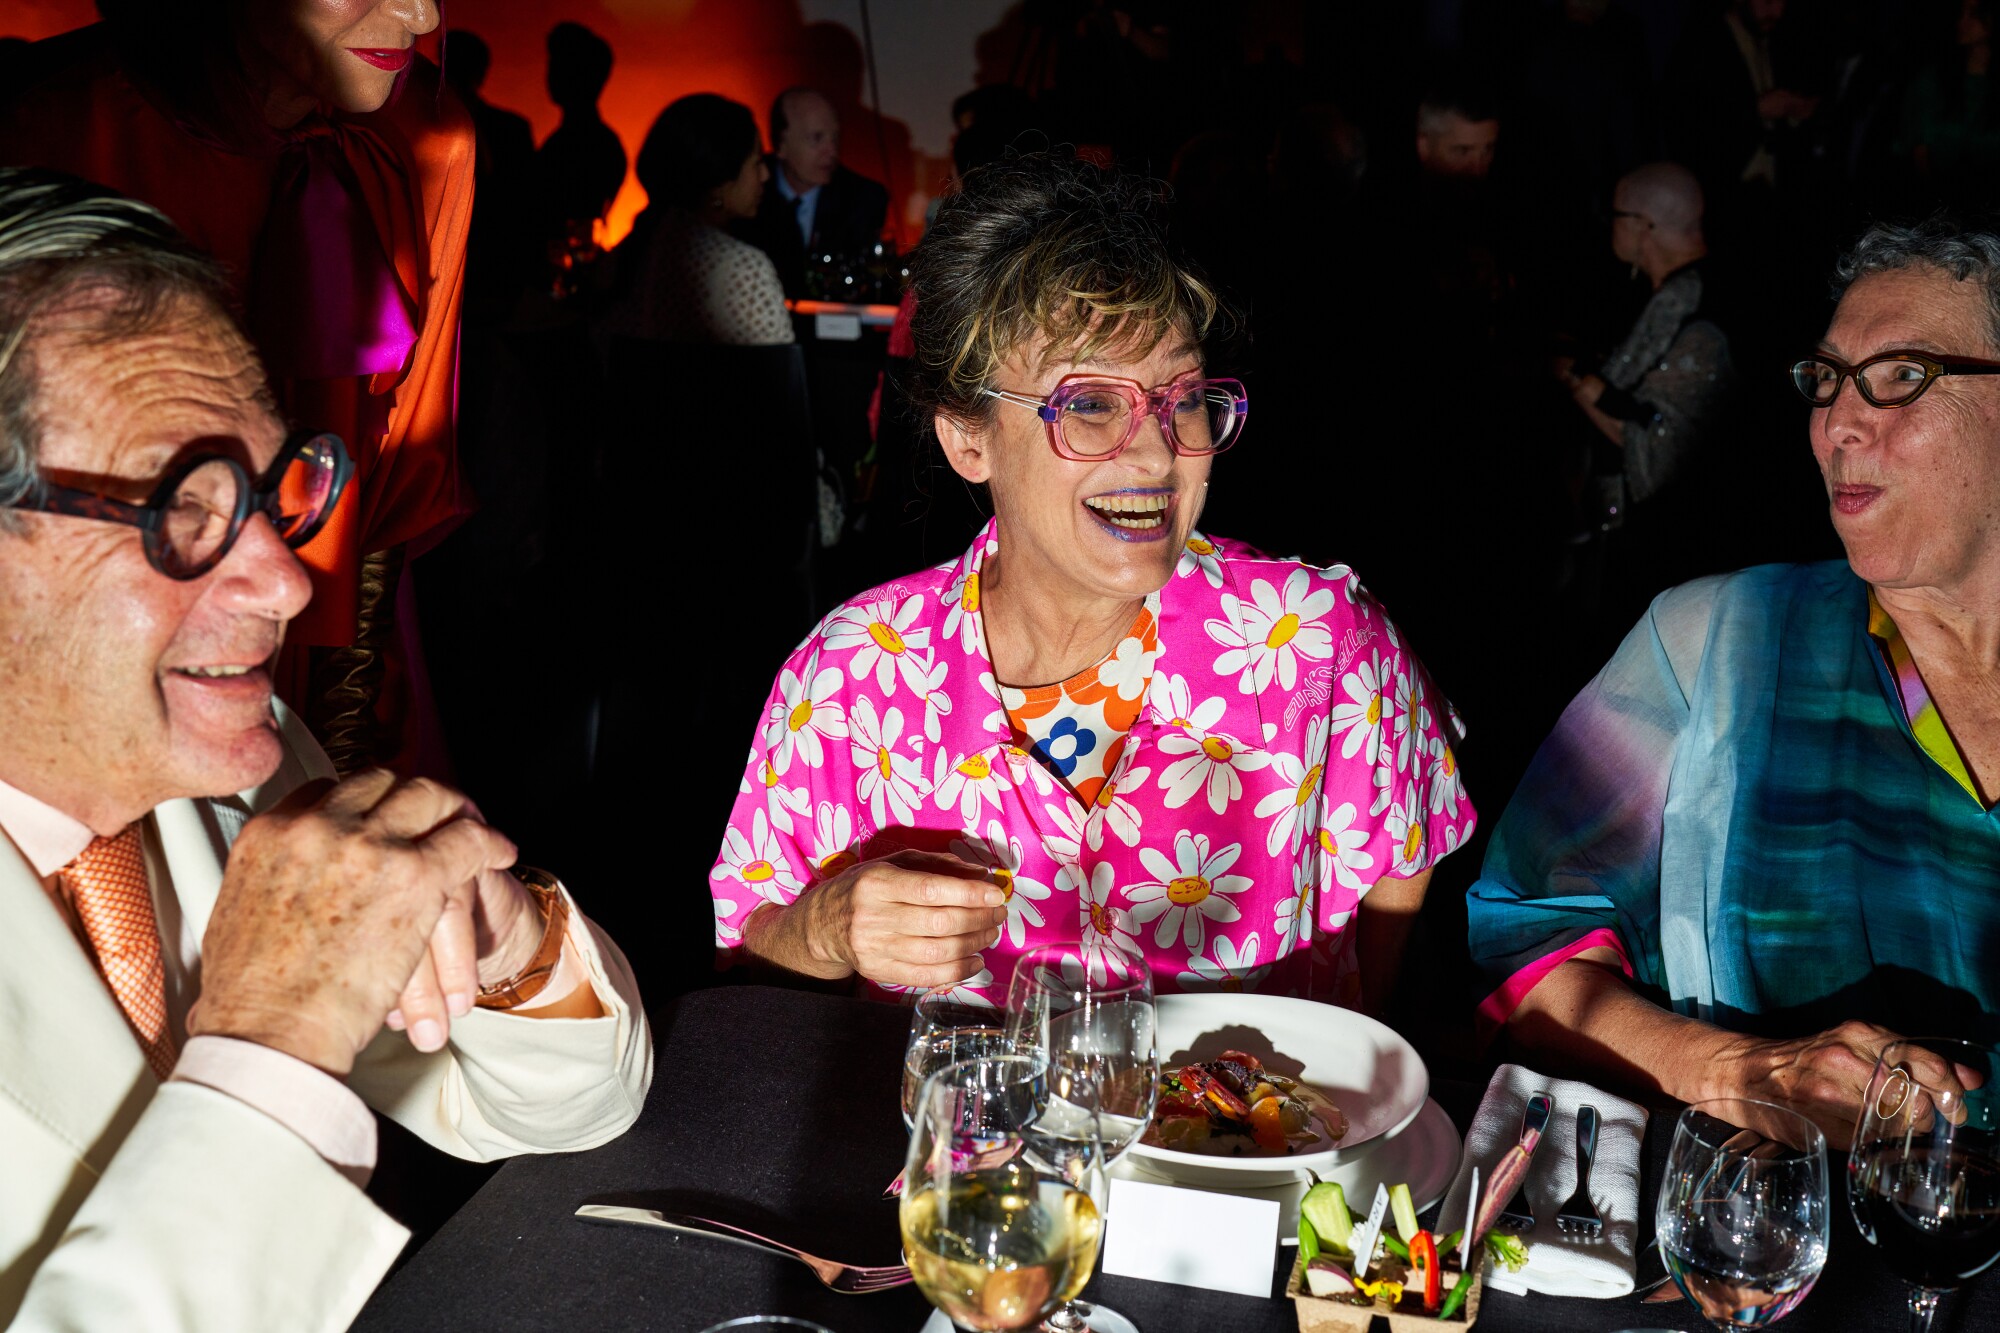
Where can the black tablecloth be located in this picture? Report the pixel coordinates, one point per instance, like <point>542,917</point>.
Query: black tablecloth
<point>777,1110</point>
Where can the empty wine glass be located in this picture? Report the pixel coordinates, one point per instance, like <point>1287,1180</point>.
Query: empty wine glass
<point>1742,1212</point>
<point>1000,1221</point>
<point>945,1029</point>
<point>1924,1176</point>
<point>1092,1019</point>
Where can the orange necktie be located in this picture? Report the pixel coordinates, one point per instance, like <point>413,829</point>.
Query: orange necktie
<point>107,889</point>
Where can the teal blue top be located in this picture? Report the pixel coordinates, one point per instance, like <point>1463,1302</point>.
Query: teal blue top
<point>1737,804</point>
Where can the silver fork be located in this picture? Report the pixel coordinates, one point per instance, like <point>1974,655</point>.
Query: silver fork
<point>1579,1217</point>
<point>847,1279</point>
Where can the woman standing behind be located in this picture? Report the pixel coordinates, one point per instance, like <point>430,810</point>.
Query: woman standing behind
<point>685,279</point>
<point>1951,119</point>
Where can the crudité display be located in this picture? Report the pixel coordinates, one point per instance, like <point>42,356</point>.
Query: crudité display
<point>1234,1107</point>
<point>1411,1271</point>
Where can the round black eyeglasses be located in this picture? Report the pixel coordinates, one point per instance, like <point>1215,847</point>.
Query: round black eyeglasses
<point>1893,379</point>
<point>197,512</point>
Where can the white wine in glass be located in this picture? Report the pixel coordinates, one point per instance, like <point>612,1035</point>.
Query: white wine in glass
<point>996,1228</point>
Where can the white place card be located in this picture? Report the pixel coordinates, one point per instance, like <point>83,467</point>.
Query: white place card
<point>1367,1233</point>
<point>1190,1237</point>
<point>837,328</point>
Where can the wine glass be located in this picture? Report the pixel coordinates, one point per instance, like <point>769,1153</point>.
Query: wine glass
<point>1924,1176</point>
<point>1092,1019</point>
<point>1742,1212</point>
<point>944,1030</point>
<point>1000,1220</point>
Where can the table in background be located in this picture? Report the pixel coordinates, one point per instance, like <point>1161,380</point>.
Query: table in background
<point>777,1109</point>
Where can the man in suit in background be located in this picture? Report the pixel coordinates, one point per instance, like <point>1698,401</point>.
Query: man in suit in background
<point>218,960</point>
<point>812,205</point>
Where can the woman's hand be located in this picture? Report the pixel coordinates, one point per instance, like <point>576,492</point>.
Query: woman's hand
<point>1823,1076</point>
<point>908,919</point>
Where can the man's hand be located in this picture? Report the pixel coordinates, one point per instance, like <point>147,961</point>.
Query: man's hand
<point>909,919</point>
<point>1824,1076</point>
<point>1586,389</point>
<point>489,931</point>
<point>328,908</point>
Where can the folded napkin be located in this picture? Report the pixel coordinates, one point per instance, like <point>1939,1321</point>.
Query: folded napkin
<point>1559,1265</point>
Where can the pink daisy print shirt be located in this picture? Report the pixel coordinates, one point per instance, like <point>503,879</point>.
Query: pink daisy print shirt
<point>1289,752</point>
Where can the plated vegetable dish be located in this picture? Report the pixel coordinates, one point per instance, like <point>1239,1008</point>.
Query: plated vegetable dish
<point>1410,1272</point>
<point>1234,1107</point>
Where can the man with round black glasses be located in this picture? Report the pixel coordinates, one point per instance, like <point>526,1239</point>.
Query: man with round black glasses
<point>207,939</point>
<point>1763,841</point>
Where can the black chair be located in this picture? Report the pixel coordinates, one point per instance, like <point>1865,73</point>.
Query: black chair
<point>709,525</point>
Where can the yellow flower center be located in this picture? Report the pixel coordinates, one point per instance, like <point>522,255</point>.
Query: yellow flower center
<point>1188,891</point>
<point>1200,547</point>
<point>1450,762</point>
<point>882,763</point>
<point>1005,879</point>
<point>969,599</point>
<point>1375,709</point>
<point>1327,843</point>
<point>975,767</point>
<point>1308,785</point>
<point>1413,842</point>
<point>1217,749</point>
<point>800,715</point>
<point>838,862</point>
<point>769,774</point>
<point>885,634</point>
<point>1282,632</point>
<point>1100,918</point>
<point>1106,793</point>
<point>757,872</point>
<point>1182,723</point>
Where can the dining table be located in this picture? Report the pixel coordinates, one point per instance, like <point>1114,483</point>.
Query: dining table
<point>777,1110</point>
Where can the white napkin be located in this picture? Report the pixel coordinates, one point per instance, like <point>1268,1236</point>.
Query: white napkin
<point>1559,1265</point>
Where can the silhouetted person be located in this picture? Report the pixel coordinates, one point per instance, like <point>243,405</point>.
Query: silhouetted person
<point>502,251</point>
<point>1736,95</point>
<point>812,205</point>
<point>579,167</point>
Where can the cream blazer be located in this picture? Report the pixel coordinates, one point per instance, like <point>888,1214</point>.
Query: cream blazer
<point>132,1205</point>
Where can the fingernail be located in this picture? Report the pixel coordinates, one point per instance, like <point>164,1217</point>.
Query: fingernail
<point>994,897</point>
<point>395,1020</point>
<point>459,1002</point>
<point>427,1036</point>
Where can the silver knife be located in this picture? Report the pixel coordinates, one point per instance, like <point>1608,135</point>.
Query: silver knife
<point>1519,1212</point>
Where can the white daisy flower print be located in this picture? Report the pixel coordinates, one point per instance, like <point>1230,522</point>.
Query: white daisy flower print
<point>1358,717</point>
<point>1413,719</point>
<point>888,781</point>
<point>963,620</point>
<point>1108,929</point>
<point>1116,813</point>
<point>1003,858</point>
<point>805,713</point>
<point>1343,846</point>
<point>1383,777</point>
<point>1189,891</point>
<point>781,803</point>
<point>724,932</point>
<point>1234,968</point>
<point>1294,920</point>
<point>757,862</point>
<point>1208,763</point>
<point>833,841</point>
<point>1064,845</point>
<point>1027,771</point>
<point>1447,783</point>
<point>971,991</point>
<point>1277,629</point>
<point>883,641</point>
<point>1173,699</point>
<point>1294,808</point>
<point>974,780</point>
<point>1349,581</point>
<point>1405,823</point>
<point>1199,556</point>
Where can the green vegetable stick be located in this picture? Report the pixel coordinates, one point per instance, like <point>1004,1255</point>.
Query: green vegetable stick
<point>1405,1210</point>
<point>1308,1240</point>
<point>1458,1293</point>
<point>1396,1247</point>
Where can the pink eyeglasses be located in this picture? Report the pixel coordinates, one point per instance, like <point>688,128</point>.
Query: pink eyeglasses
<point>1092,417</point>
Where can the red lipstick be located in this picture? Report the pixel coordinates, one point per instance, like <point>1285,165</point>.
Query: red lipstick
<point>392,58</point>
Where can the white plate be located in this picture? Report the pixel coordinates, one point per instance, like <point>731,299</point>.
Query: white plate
<point>1362,1067</point>
<point>1424,1157</point>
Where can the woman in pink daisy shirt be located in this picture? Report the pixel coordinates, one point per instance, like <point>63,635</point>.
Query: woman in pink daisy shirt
<point>1097,726</point>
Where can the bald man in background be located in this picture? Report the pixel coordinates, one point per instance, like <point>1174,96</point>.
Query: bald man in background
<point>812,204</point>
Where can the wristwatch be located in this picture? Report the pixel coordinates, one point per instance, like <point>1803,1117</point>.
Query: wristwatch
<point>529,982</point>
